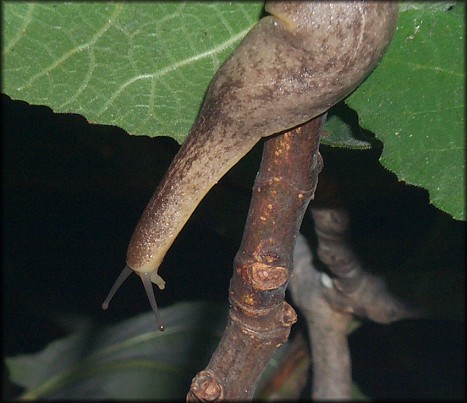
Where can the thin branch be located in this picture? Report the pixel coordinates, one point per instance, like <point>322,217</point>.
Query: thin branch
<point>352,289</point>
<point>259,318</point>
<point>327,328</point>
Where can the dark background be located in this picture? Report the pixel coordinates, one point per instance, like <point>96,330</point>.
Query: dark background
<point>73,192</point>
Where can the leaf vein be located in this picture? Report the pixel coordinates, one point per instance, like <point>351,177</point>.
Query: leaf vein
<point>176,65</point>
<point>74,50</point>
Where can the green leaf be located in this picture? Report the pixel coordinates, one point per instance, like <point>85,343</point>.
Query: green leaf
<point>129,360</point>
<point>141,66</point>
<point>127,66</point>
<point>342,130</point>
<point>414,103</point>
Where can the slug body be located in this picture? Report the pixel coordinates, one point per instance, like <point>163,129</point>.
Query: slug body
<point>291,67</point>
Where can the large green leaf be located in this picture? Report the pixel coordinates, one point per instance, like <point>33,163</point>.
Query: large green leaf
<point>129,360</point>
<point>142,66</point>
<point>414,103</point>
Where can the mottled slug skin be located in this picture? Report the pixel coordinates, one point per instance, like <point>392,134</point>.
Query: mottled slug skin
<point>292,66</point>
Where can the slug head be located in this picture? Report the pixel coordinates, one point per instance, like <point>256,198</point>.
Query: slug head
<point>147,279</point>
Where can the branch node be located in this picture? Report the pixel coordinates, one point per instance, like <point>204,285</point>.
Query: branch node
<point>205,387</point>
<point>289,316</point>
<point>264,277</point>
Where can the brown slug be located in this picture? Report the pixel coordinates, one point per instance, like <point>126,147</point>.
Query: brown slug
<point>292,66</point>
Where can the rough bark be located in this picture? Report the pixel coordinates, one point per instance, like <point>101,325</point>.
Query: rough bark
<point>259,319</point>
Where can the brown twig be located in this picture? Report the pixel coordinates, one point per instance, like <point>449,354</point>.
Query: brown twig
<point>259,318</point>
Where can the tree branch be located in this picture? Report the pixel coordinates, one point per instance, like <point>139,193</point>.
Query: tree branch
<point>352,289</point>
<point>259,318</point>
<point>327,329</point>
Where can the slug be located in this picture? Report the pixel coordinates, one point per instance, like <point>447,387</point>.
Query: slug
<point>292,66</point>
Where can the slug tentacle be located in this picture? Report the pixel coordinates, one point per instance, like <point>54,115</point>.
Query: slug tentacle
<point>146,279</point>
<point>118,282</point>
